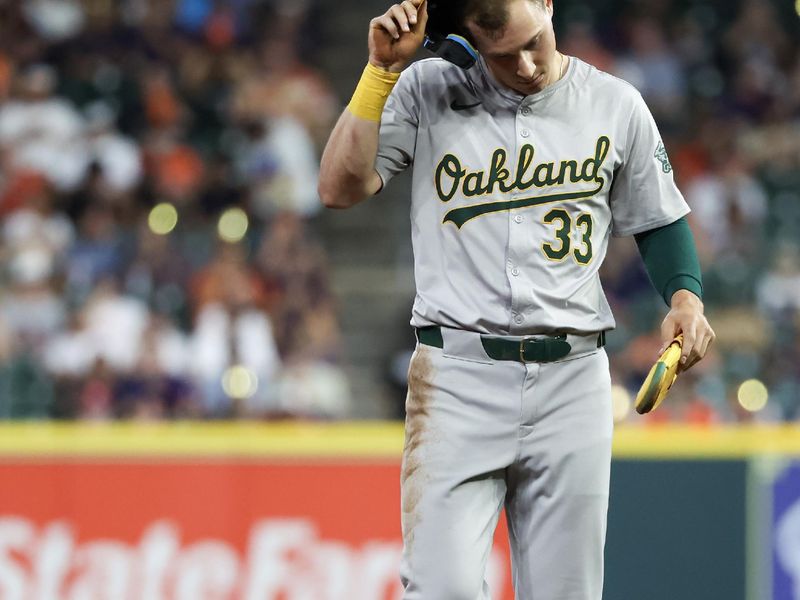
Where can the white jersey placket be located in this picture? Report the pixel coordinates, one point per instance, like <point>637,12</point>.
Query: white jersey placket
<point>519,224</point>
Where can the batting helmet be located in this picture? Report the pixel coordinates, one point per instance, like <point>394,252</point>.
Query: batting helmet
<point>442,33</point>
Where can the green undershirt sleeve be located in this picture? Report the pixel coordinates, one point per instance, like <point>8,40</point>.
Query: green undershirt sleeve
<point>670,257</point>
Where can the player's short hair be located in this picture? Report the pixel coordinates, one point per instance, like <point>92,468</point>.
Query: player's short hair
<point>490,15</point>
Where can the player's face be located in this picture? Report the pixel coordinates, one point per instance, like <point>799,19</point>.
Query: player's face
<point>523,55</point>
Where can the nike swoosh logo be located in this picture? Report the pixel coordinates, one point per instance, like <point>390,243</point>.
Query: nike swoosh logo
<point>457,106</point>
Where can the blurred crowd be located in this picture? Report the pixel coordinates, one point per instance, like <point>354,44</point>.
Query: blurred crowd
<point>160,253</point>
<point>723,81</point>
<point>158,166</point>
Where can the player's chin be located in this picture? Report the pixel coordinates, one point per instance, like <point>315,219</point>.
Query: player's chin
<point>528,91</point>
<point>530,86</point>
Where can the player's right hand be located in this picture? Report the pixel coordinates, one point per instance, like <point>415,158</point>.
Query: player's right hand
<point>396,35</point>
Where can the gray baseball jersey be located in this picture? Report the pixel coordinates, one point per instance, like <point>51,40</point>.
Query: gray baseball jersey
<point>514,197</point>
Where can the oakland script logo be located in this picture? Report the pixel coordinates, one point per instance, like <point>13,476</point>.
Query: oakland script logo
<point>451,177</point>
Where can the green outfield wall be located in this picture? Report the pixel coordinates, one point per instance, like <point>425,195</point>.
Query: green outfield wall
<point>677,530</point>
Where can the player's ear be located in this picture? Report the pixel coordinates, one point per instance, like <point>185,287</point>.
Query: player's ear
<point>548,7</point>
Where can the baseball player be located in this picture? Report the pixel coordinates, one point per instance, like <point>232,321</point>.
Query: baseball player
<point>524,161</point>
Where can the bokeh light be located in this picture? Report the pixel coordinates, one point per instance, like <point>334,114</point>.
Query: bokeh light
<point>233,224</point>
<point>163,218</point>
<point>752,395</point>
<point>239,382</point>
<point>620,403</point>
<point>797,7</point>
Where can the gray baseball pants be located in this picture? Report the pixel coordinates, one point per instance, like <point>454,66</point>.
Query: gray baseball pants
<point>482,434</point>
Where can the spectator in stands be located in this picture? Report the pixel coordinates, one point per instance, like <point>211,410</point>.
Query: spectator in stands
<point>778,290</point>
<point>284,86</point>
<point>35,238</point>
<point>43,133</point>
<point>654,68</point>
<point>312,385</point>
<point>294,269</point>
<point>159,272</point>
<point>232,329</point>
<point>55,20</point>
<point>729,207</point>
<point>581,40</point>
<point>115,324</point>
<point>159,385</point>
<point>277,161</point>
<point>98,252</point>
<point>118,158</point>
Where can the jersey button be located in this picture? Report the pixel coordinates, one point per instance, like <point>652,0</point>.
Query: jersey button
<point>526,111</point>
<point>518,219</point>
<point>515,271</point>
<point>518,319</point>
<point>525,133</point>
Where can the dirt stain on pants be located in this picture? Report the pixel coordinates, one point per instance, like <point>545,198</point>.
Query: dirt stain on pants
<point>418,401</point>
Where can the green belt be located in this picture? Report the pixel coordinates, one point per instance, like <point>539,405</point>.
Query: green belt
<point>526,349</point>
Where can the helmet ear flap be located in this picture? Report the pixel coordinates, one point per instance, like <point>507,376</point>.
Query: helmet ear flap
<point>454,49</point>
<point>444,33</point>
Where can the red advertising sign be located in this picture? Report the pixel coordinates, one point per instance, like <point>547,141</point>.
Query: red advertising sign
<point>240,511</point>
<point>204,529</point>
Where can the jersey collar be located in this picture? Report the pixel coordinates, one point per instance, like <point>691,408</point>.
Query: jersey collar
<point>515,98</point>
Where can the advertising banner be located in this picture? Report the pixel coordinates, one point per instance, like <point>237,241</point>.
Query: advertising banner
<point>786,534</point>
<point>216,529</point>
<point>299,511</point>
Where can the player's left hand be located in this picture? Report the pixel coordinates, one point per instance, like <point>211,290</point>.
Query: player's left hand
<point>686,317</point>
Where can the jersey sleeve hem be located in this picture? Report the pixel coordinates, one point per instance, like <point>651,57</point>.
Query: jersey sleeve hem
<point>649,225</point>
<point>682,281</point>
<point>384,177</point>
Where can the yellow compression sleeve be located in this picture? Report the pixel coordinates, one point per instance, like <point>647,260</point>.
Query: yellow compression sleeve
<point>372,92</point>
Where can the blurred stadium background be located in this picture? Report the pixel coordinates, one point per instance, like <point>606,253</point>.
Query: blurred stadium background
<point>161,224</point>
<point>164,256</point>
